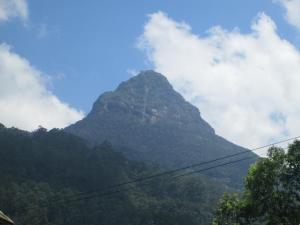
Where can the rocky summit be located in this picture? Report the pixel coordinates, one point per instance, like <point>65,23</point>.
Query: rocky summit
<point>147,120</point>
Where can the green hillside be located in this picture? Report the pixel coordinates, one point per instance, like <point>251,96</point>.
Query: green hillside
<point>41,171</point>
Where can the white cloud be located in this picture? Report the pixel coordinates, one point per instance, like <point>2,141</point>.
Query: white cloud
<point>292,10</point>
<point>25,101</point>
<point>245,85</point>
<point>132,72</point>
<point>13,8</point>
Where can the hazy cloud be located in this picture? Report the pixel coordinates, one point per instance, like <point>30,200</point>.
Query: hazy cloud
<point>42,31</point>
<point>245,85</point>
<point>132,72</point>
<point>25,101</point>
<point>292,9</point>
<point>13,8</point>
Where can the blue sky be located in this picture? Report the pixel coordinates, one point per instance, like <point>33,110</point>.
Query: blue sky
<point>87,48</point>
<point>69,52</point>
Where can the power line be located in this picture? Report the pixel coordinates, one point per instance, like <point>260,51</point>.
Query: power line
<point>109,193</point>
<point>175,177</point>
<point>213,167</point>
<point>169,172</point>
<point>140,179</point>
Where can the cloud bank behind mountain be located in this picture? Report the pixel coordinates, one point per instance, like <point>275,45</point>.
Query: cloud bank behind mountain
<point>246,85</point>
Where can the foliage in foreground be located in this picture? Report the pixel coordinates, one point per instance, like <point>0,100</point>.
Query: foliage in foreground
<point>272,192</point>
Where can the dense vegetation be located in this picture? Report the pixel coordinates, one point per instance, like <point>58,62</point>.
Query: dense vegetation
<point>41,171</point>
<point>272,192</point>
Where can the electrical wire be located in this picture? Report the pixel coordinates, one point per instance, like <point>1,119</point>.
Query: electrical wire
<point>97,193</point>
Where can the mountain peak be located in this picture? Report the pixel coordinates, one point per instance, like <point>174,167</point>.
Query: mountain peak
<point>146,79</point>
<point>149,98</point>
<point>148,120</point>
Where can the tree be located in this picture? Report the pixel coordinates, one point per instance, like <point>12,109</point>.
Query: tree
<point>228,210</point>
<point>271,193</point>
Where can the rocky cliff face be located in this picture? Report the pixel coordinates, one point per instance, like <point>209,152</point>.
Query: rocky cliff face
<point>148,120</point>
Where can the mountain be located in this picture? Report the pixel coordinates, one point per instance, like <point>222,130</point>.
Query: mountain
<point>42,174</point>
<point>148,120</point>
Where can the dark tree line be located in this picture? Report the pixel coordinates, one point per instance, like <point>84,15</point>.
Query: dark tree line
<point>39,172</point>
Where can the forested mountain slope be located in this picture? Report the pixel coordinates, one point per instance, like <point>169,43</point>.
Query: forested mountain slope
<point>39,172</point>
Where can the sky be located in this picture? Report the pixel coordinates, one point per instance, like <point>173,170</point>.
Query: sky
<point>237,61</point>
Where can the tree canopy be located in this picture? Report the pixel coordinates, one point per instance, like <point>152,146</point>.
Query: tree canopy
<point>39,172</point>
<point>272,192</point>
